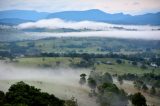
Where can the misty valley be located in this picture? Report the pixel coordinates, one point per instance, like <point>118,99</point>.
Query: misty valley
<point>79,53</point>
<point>80,71</point>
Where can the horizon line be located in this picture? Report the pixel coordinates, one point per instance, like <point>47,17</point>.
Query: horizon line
<point>77,11</point>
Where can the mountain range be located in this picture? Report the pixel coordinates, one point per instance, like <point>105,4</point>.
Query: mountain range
<point>14,17</point>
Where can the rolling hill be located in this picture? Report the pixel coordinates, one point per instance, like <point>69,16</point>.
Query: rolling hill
<point>21,16</point>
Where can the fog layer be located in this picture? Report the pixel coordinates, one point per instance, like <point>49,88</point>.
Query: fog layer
<point>146,35</point>
<point>81,29</point>
<point>64,83</point>
<point>59,23</point>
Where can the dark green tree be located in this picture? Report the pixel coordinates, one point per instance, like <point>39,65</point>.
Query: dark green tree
<point>92,83</point>
<point>82,80</point>
<point>119,61</point>
<point>107,78</point>
<point>110,95</point>
<point>120,80</point>
<point>144,87</point>
<point>153,90</point>
<point>134,63</point>
<point>21,93</point>
<point>2,98</point>
<point>72,102</point>
<point>138,99</point>
<point>138,84</point>
<point>143,66</point>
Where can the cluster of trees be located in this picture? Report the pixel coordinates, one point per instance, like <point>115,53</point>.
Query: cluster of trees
<point>135,58</point>
<point>107,93</point>
<point>139,84</point>
<point>147,78</point>
<point>103,44</point>
<point>21,94</point>
<point>119,61</point>
<point>128,76</point>
<point>110,95</point>
<point>111,49</point>
<point>85,62</point>
<point>151,79</point>
<point>15,50</point>
<point>142,86</point>
<point>142,82</point>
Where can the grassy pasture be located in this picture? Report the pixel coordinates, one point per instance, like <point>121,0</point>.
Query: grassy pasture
<point>84,45</point>
<point>64,62</point>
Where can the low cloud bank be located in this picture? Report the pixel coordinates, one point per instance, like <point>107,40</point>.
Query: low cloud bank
<point>146,35</point>
<point>91,25</point>
<point>80,29</point>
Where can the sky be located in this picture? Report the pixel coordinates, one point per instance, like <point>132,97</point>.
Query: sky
<point>133,7</point>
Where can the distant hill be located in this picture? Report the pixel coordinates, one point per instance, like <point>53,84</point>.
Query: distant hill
<point>20,16</point>
<point>119,18</point>
<point>13,21</point>
<point>23,14</point>
<point>92,15</point>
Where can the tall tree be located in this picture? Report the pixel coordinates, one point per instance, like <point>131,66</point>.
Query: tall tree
<point>120,80</point>
<point>92,83</point>
<point>144,87</point>
<point>82,80</point>
<point>138,99</point>
<point>153,90</point>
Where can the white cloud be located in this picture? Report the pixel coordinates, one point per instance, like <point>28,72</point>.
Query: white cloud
<point>58,23</point>
<point>146,35</point>
<point>106,30</point>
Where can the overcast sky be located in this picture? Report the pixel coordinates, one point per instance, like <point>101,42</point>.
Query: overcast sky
<point>111,6</point>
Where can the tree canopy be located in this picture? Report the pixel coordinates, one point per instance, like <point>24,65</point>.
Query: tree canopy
<point>138,99</point>
<point>22,94</point>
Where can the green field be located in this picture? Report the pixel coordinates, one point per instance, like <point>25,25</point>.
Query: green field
<point>64,62</point>
<point>31,50</point>
<point>81,45</point>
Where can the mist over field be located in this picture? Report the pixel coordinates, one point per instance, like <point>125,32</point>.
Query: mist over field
<point>10,72</point>
<point>79,53</point>
<point>64,83</point>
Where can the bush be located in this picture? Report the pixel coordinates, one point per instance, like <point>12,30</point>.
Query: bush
<point>120,80</point>
<point>143,66</point>
<point>153,90</point>
<point>110,95</point>
<point>134,63</point>
<point>21,94</point>
<point>144,87</point>
<point>2,98</point>
<point>92,83</point>
<point>138,99</point>
<point>107,78</point>
<point>119,61</point>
